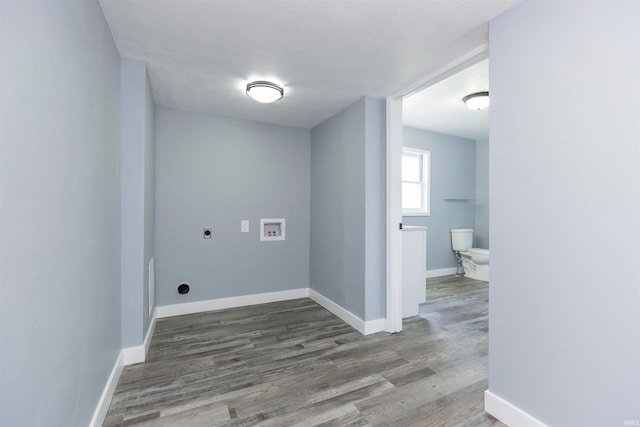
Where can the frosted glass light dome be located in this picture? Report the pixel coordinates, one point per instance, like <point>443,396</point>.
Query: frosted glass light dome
<point>477,101</point>
<point>264,92</point>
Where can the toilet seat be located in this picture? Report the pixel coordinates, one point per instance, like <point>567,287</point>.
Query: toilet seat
<point>479,251</point>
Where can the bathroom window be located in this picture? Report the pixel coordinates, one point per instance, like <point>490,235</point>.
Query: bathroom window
<point>416,166</point>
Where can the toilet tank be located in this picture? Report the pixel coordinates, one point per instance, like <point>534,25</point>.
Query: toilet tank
<point>461,239</point>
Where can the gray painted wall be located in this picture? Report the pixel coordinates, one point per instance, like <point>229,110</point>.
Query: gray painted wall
<point>149,195</point>
<point>481,234</point>
<point>375,209</point>
<point>137,195</point>
<point>60,211</point>
<point>347,190</point>
<point>212,171</point>
<point>565,171</point>
<point>453,175</point>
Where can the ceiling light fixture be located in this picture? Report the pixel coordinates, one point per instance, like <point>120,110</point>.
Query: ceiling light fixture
<point>264,92</point>
<point>477,101</point>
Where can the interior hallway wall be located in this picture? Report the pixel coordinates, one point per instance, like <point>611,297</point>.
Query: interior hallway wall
<point>453,176</point>
<point>59,211</point>
<point>214,172</point>
<point>564,333</point>
<point>137,163</point>
<point>375,272</point>
<point>348,209</point>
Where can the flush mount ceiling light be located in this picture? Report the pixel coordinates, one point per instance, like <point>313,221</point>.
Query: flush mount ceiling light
<point>477,101</point>
<point>265,92</point>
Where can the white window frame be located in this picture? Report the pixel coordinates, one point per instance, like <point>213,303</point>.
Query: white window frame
<point>425,180</point>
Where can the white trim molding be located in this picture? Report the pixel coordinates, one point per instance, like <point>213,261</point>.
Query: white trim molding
<point>440,272</point>
<point>365,328</point>
<point>508,413</point>
<point>374,326</point>
<point>107,393</point>
<point>138,354</point>
<point>475,55</point>
<point>231,302</point>
<point>133,355</point>
<point>149,335</point>
<point>394,214</point>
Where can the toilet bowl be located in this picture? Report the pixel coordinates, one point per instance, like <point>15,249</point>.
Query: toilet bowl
<point>475,261</point>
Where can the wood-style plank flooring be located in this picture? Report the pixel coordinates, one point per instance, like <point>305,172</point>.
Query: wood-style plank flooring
<point>294,363</point>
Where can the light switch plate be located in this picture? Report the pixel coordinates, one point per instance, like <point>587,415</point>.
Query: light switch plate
<point>244,226</point>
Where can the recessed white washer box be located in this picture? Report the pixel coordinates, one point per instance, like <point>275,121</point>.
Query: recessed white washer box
<point>272,229</point>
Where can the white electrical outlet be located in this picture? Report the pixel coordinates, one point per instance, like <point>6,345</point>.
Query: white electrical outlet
<point>244,226</point>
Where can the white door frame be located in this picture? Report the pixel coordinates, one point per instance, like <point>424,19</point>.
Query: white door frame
<point>394,215</point>
<point>394,179</point>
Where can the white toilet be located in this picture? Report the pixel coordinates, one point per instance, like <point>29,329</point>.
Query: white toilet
<point>475,261</point>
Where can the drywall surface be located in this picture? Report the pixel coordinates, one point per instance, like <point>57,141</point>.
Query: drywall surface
<point>347,208</point>
<point>149,196</point>
<point>215,172</point>
<point>453,176</point>
<point>564,335</point>
<point>481,234</point>
<point>137,197</point>
<point>375,209</point>
<point>59,211</point>
<point>337,208</point>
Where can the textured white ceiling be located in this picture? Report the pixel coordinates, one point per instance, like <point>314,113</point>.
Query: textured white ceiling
<point>439,108</point>
<point>326,53</point>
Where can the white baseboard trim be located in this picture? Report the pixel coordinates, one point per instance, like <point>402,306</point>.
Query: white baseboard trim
<point>133,355</point>
<point>338,310</point>
<point>107,393</point>
<point>374,326</point>
<point>138,354</point>
<point>149,334</point>
<point>232,302</point>
<point>508,413</point>
<point>440,272</point>
<point>365,328</point>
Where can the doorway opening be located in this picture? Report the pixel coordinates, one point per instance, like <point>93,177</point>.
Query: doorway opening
<point>406,114</point>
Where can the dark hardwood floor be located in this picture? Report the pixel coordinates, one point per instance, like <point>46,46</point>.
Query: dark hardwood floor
<point>294,363</point>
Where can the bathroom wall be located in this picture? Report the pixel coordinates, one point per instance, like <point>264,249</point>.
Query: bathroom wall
<point>60,210</point>
<point>481,235</point>
<point>214,172</point>
<point>564,333</point>
<point>348,209</point>
<point>137,195</point>
<point>453,176</point>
